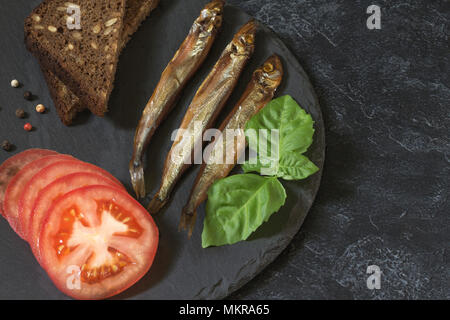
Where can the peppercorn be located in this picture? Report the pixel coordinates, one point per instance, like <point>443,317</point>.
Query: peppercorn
<point>20,113</point>
<point>28,95</point>
<point>28,126</point>
<point>6,145</point>
<point>40,108</point>
<point>15,83</point>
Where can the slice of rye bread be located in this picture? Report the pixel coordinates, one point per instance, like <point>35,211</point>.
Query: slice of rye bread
<point>66,102</point>
<point>86,59</point>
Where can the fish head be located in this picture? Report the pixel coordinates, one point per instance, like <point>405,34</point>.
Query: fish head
<point>215,6</point>
<point>244,40</point>
<point>210,18</point>
<point>270,73</point>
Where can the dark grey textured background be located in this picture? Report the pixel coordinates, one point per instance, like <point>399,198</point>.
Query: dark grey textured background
<point>182,269</point>
<point>385,96</point>
<point>385,99</point>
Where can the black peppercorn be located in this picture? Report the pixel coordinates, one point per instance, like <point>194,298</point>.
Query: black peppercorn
<point>20,113</point>
<point>28,95</point>
<point>6,145</point>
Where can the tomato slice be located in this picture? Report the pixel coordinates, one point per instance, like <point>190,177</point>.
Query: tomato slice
<point>16,185</point>
<point>46,176</point>
<point>97,241</point>
<point>54,191</point>
<point>14,164</point>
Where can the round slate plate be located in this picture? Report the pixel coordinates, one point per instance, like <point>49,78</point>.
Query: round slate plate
<point>182,269</point>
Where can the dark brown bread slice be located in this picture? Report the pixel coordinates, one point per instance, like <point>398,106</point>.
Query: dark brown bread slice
<point>85,60</point>
<point>135,14</point>
<point>66,102</point>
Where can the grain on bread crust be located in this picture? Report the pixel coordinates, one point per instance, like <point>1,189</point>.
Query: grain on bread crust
<point>84,60</point>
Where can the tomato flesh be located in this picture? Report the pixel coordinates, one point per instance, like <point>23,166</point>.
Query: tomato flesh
<point>105,261</point>
<point>43,178</point>
<point>13,165</point>
<point>104,234</point>
<point>54,191</point>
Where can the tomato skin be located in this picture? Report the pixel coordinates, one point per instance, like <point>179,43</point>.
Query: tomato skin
<point>141,250</point>
<point>11,166</point>
<point>44,177</point>
<point>15,187</point>
<point>52,192</point>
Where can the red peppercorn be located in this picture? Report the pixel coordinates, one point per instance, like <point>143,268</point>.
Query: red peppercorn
<point>28,127</point>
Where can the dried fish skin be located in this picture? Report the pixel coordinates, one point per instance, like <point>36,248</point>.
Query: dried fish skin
<point>204,109</point>
<point>189,57</point>
<point>259,92</point>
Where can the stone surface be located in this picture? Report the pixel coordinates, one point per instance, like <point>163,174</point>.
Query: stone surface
<point>385,99</point>
<point>182,269</point>
<point>385,96</point>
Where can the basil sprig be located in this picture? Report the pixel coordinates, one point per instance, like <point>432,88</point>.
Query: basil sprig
<point>240,204</point>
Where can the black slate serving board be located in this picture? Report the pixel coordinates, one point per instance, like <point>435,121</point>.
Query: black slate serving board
<point>182,269</point>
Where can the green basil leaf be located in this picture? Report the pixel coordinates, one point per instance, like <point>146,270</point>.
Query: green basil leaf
<point>238,205</point>
<point>295,126</point>
<point>294,166</point>
<point>295,131</point>
<point>252,167</point>
<point>264,166</point>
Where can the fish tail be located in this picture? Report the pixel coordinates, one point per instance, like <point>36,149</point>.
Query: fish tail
<point>183,219</point>
<point>137,178</point>
<point>187,221</point>
<point>192,224</point>
<point>155,205</point>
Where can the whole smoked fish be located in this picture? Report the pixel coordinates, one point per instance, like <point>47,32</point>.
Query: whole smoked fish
<point>189,57</point>
<point>259,92</point>
<point>204,108</point>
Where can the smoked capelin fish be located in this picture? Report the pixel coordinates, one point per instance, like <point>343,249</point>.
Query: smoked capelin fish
<point>204,109</point>
<point>189,57</point>
<point>258,93</point>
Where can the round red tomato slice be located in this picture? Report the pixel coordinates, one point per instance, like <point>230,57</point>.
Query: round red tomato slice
<point>17,184</point>
<point>54,191</point>
<point>96,242</point>
<point>13,165</point>
<point>46,176</point>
